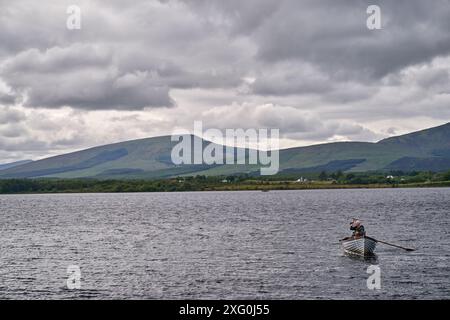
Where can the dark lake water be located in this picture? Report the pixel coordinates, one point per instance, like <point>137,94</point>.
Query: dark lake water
<point>223,245</point>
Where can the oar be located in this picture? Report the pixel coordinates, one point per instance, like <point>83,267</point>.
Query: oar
<point>340,240</point>
<point>391,244</point>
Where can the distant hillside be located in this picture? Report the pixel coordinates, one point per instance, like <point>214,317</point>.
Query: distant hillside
<point>13,164</point>
<point>144,158</point>
<point>150,158</point>
<point>430,146</point>
<point>427,149</point>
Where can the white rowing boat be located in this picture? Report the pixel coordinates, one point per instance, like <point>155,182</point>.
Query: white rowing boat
<point>363,246</point>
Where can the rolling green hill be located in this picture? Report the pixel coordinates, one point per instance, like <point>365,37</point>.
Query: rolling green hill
<point>150,158</point>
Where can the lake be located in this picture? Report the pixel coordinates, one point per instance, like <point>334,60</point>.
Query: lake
<point>223,245</point>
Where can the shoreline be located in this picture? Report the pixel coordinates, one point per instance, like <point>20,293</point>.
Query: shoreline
<point>274,186</point>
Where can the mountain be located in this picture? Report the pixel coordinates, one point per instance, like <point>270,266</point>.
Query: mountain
<point>427,149</point>
<point>430,145</point>
<point>423,150</point>
<point>144,158</point>
<point>13,164</point>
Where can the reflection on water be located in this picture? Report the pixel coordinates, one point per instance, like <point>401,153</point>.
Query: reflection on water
<point>371,258</point>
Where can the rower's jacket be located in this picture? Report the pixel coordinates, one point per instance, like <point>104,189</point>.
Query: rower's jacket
<point>358,231</point>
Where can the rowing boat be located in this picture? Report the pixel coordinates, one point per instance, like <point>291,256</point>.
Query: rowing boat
<point>363,246</point>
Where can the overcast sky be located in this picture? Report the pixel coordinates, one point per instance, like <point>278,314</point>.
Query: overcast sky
<point>310,68</point>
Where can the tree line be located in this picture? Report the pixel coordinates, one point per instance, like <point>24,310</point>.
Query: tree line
<point>230,182</point>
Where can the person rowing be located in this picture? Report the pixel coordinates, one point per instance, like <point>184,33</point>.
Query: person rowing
<point>360,243</point>
<point>357,228</point>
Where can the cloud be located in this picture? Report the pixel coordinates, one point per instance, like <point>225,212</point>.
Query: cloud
<point>291,79</point>
<point>333,35</point>
<point>7,99</point>
<point>310,68</point>
<point>10,115</point>
<point>303,126</point>
<point>81,76</point>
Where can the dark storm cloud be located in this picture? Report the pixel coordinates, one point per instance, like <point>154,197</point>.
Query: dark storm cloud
<point>437,79</point>
<point>81,76</point>
<point>90,77</point>
<point>311,68</point>
<point>289,80</point>
<point>7,99</point>
<point>131,59</point>
<point>120,59</point>
<point>333,34</point>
